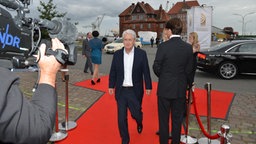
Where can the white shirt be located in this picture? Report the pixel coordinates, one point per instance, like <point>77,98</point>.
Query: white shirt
<point>174,36</point>
<point>128,63</point>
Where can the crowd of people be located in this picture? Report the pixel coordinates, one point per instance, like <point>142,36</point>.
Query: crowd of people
<point>174,65</point>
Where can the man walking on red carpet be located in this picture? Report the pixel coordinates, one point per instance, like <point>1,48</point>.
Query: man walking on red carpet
<point>173,67</point>
<point>129,67</point>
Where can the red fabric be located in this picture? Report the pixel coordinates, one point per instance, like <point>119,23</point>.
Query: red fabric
<point>99,124</point>
<point>215,136</point>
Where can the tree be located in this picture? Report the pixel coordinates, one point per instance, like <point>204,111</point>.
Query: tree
<point>48,11</point>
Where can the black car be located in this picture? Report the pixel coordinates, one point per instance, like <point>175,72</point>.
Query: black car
<point>228,59</point>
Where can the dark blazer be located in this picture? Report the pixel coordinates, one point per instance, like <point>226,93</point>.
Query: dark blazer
<point>23,121</point>
<point>86,49</point>
<point>173,65</point>
<point>140,71</point>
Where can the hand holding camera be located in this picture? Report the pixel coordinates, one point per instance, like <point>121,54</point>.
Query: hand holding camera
<point>53,60</point>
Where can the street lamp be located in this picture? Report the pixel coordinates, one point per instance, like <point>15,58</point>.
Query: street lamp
<point>245,24</point>
<point>243,18</point>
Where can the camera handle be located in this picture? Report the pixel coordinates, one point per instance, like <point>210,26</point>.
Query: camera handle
<point>60,55</point>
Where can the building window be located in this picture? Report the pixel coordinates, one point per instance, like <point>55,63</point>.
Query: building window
<point>134,26</point>
<point>134,17</point>
<point>161,25</point>
<point>141,17</point>
<point>149,26</point>
<point>141,26</point>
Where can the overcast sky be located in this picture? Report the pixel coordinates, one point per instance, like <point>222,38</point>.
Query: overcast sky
<point>86,11</point>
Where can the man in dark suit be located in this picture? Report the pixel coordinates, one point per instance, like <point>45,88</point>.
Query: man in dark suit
<point>173,66</point>
<point>29,122</point>
<point>129,70</point>
<point>86,52</point>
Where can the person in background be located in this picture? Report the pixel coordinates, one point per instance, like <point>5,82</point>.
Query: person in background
<point>173,66</point>
<point>157,41</point>
<point>86,52</point>
<point>152,41</point>
<point>29,122</point>
<point>96,45</point>
<point>128,73</point>
<point>193,40</point>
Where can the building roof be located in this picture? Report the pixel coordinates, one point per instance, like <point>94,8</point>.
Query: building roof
<point>147,9</point>
<point>144,6</point>
<point>177,8</point>
<point>161,14</point>
<point>217,30</point>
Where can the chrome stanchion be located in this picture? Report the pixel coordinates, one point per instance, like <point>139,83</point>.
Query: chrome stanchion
<point>205,140</point>
<point>225,136</point>
<point>58,134</point>
<point>67,125</point>
<point>186,139</point>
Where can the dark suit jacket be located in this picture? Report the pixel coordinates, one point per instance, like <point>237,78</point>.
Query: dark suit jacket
<point>86,49</point>
<point>140,72</point>
<point>173,65</point>
<point>21,121</point>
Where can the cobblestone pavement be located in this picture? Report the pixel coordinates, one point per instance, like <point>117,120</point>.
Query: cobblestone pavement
<point>241,119</point>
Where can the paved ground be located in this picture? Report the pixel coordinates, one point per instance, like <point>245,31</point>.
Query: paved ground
<point>241,118</point>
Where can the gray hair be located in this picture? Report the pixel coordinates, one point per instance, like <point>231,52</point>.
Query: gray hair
<point>129,31</point>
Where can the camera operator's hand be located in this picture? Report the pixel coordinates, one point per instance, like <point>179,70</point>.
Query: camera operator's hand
<point>48,64</point>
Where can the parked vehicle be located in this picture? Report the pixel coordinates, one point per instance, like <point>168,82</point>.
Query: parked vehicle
<point>228,59</point>
<point>118,44</point>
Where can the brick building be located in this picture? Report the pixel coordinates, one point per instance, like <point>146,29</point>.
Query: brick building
<point>179,10</point>
<point>142,17</point>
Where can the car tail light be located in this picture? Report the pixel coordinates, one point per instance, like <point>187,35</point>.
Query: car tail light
<point>201,56</point>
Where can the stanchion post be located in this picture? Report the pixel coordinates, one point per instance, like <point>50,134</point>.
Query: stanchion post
<point>67,125</point>
<point>186,139</point>
<point>225,136</point>
<point>58,135</point>
<point>208,87</point>
<point>205,140</point>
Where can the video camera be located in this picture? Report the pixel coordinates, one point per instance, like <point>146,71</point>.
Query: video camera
<point>20,36</point>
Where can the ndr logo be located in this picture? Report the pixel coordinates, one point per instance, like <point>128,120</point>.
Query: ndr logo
<point>8,39</point>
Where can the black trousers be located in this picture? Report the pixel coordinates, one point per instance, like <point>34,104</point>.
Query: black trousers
<point>88,64</point>
<point>127,100</point>
<point>175,107</point>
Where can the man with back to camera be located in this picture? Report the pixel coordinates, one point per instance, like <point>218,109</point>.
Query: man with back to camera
<point>29,122</point>
<point>128,73</point>
<point>173,66</point>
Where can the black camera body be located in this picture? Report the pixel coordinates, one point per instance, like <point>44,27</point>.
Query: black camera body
<point>20,37</point>
<point>14,40</point>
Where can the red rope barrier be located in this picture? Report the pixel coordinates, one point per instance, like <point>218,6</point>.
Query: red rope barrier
<point>216,136</point>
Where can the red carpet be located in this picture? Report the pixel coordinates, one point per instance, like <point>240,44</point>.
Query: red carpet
<point>99,124</point>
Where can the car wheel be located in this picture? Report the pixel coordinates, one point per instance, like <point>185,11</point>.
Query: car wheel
<point>227,70</point>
